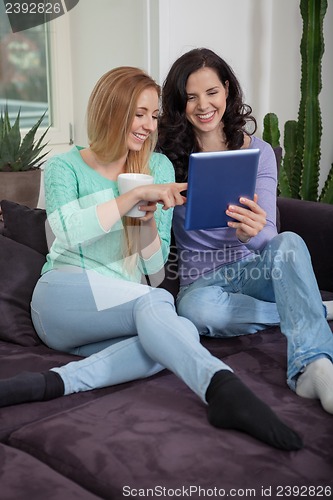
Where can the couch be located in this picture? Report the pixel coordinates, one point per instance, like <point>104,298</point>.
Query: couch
<point>151,438</point>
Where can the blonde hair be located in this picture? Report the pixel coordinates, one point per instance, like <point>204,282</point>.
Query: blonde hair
<point>111,110</point>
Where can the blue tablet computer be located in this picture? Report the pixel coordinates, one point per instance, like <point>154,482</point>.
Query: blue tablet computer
<point>216,180</point>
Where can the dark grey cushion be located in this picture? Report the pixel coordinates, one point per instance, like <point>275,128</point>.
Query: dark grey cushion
<point>25,225</point>
<point>20,268</point>
<point>313,221</point>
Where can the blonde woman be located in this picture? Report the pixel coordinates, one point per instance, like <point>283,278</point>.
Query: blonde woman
<point>90,300</point>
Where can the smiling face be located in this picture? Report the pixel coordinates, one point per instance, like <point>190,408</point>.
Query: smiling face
<point>206,101</point>
<point>145,120</point>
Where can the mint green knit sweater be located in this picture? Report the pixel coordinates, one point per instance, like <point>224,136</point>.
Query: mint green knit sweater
<point>72,192</point>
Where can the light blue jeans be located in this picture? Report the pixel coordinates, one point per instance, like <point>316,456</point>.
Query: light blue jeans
<point>125,330</point>
<point>277,286</point>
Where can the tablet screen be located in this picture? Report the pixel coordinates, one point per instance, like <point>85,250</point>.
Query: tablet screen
<point>216,180</point>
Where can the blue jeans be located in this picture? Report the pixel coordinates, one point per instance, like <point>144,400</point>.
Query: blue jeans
<point>126,331</point>
<point>277,286</point>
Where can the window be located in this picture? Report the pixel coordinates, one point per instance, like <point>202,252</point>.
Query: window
<point>35,75</point>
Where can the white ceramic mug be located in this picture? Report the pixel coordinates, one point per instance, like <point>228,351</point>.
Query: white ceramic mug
<point>126,182</point>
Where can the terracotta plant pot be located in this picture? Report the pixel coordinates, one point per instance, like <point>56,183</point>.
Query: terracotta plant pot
<point>21,187</point>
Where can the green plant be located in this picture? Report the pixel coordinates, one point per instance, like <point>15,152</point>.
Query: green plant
<point>300,166</point>
<point>17,154</point>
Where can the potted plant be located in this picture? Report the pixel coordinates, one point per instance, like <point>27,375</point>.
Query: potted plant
<point>20,160</point>
<point>300,166</point>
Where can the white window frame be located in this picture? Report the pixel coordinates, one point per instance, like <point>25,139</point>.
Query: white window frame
<point>61,89</point>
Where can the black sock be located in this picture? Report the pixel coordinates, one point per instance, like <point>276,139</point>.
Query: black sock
<point>29,386</point>
<point>231,405</point>
<point>54,385</point>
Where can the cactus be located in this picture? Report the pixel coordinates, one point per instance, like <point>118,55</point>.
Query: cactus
<point>309,116</point>
<point>292,168</point>
<point>300,168</point>
<point>326,195</point>
<point>271,131</point>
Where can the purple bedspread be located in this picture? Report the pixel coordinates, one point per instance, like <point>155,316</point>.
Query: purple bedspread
<point>153,434</point>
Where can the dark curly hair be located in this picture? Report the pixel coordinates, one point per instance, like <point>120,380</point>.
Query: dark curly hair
<point>177,139</point>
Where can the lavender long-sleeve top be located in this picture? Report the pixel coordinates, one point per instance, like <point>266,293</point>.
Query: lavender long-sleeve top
<point>203,251</point>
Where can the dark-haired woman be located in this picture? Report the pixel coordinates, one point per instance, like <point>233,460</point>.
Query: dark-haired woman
<point>240,279</point>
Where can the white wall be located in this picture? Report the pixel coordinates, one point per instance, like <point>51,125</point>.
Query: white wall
<point>104,34</point>
<point>234,29</point>
<point>259,38</point>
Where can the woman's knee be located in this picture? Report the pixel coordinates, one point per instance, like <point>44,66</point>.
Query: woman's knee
<point>287,248</point>
<point>154,297</point>
<point>287,241</point>
<point>202,306</point>
<point>160,294</point>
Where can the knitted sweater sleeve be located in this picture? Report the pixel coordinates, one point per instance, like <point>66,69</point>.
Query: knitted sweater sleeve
<point>72,194</point>
<point>71,213</point>
<point>163,172</point>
